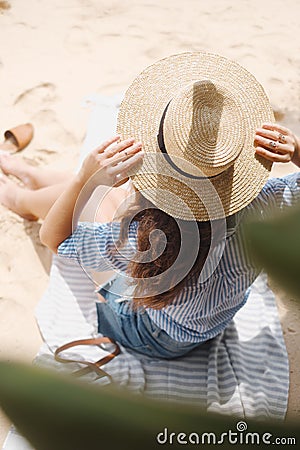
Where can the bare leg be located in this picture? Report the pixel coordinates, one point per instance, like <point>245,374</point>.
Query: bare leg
<point>29,204</point>
<point>35,204</point>
<point>44,186</point>
<point>33,177</point>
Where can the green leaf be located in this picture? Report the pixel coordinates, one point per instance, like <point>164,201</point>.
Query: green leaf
<point>55,412</point>
<point>275,245</point>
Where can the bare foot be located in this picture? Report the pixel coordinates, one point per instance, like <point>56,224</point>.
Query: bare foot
<point>10,197</point>
<point>13,165</point>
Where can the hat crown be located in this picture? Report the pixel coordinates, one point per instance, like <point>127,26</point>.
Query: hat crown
<point>185,155</point>
<point>202,126</point>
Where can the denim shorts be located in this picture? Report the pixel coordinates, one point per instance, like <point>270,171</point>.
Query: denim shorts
<point>134,329</point>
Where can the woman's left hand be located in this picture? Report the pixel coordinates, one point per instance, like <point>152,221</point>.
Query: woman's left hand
<point>276,143</point>
<point>109,163</point>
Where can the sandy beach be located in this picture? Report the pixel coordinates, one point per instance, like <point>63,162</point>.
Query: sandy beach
<point>55,54</point>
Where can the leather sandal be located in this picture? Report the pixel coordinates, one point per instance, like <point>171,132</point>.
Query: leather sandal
<point>17,138</point>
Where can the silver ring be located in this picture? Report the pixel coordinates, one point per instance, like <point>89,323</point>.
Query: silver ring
<point>273,144</point>
<point>281,138</point>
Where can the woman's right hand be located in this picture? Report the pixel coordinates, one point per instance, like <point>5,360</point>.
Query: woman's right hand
<point>277,143</point>
<point>106,165</point>
<point>110,163</point>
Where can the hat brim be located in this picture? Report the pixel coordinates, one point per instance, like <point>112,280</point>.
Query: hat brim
<point>140,115</point>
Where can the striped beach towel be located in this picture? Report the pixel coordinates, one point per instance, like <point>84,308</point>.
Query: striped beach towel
<point>243,371</point>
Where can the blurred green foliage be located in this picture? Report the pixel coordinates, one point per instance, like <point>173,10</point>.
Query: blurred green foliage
<point>55,412</point>
<point>275,245</point>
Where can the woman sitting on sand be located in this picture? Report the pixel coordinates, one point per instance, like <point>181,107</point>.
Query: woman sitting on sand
<point>179,250</point>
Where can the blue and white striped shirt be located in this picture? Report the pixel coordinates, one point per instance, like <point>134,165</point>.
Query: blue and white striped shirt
<point>203,308</point>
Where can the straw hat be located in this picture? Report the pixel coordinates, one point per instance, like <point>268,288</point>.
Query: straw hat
<point>196,115</point>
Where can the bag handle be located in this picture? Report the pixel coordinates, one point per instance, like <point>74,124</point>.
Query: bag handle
<point>95,366</point>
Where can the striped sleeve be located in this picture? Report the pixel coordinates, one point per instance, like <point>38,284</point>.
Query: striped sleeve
<point>285,191</point>
<point>93,245</point>
<point>277,194</point>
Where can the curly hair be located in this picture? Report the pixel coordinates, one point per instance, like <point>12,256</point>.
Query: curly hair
<point>152,261</point>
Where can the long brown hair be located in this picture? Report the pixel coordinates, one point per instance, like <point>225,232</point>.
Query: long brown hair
<point>144,269</point>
